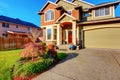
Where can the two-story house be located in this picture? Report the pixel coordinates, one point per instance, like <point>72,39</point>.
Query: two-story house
<point>10,27</point>
<point>65,22</point>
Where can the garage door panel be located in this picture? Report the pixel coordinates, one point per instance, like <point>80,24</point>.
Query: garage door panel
<point>102,38</point>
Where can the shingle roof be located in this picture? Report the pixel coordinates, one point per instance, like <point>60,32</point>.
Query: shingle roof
<point>110,2</point>
<point>17,21</point>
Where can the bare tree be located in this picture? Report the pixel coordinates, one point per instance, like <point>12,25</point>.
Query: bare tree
<point>34,35</point>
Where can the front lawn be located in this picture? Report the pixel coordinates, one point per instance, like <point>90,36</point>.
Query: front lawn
<point>24,68</point>
<point>7,60</point>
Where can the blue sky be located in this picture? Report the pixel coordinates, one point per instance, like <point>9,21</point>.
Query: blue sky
<point>27,9</point>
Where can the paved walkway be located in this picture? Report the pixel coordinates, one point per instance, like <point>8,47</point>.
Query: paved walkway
<point>86,64</point>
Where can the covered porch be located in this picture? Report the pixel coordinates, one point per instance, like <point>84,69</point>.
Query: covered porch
<point>67,30</point>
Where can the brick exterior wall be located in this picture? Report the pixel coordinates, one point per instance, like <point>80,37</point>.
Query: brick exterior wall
<point>75,13</point>
<point>56,15</point>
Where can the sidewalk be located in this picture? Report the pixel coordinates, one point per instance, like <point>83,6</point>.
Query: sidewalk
<point>86,64</point>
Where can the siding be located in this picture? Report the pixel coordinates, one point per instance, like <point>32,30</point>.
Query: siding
<point>66,19</point>
<point>112,15</point>
<point>84,5</point>
<point>12,27</point>
<point>67,6</point>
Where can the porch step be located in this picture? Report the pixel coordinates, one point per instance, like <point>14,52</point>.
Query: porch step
<point>64,47</point>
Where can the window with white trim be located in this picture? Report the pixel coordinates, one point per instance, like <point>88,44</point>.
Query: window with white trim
<point>5,25</point>
<point>49,34</point>
<point>102,11</point>
<point>29,29</point>
<point>55,34</point>
<point>17,26</point>
<point>49,15</point>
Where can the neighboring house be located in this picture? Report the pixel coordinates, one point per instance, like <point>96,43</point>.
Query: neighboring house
<point>65,22</point>
<point>15,28</point>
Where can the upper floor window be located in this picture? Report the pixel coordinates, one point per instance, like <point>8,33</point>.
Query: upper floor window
<point>49,15</point>
<point>5,25</point>
<point>29,29</point>
<point>17,26</point>
<point>102,11</point>
<point>69,12</point>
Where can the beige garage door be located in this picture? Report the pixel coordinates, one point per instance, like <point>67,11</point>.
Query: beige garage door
<point>102,38</point>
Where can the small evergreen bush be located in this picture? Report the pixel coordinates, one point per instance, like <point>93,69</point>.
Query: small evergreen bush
<point>61,56</point>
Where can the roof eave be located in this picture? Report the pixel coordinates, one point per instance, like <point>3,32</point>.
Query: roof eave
<point>65,14</point>
<point>100,21</point>
<point>47,4</point>
<point>108,4</point>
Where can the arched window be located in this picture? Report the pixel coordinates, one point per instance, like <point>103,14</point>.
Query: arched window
<point>49,15</point>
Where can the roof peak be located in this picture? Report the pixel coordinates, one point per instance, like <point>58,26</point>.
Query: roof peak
<point>47,4</point>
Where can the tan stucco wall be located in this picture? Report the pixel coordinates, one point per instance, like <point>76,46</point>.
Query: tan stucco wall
<point>103,17</point>
<point>102,36</point>
<point>92,15</point>
<point>66,19</point>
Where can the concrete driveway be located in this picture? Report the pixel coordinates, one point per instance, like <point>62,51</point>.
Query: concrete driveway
<point>86,64</point>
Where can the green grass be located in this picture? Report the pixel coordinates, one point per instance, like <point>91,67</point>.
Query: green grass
<point>7,60</point>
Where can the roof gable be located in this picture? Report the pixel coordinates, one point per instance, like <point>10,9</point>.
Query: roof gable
<point>84,2</point>
<point>48,2</point>
<point>66,2</point>
<point>65,14</point>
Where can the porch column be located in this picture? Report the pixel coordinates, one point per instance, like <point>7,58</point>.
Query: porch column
<point>58,34</point>
<point>78,34</point>
<point>44,34</point>
<point>74,32</point>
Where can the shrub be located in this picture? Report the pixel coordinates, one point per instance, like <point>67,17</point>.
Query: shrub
<point>51,51</point>
<point>61,56</point>
<point>31,68</point>
<point>42,43</point>
<point>32,50</point>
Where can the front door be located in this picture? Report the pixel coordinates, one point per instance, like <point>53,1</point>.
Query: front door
<point>69,36</point>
